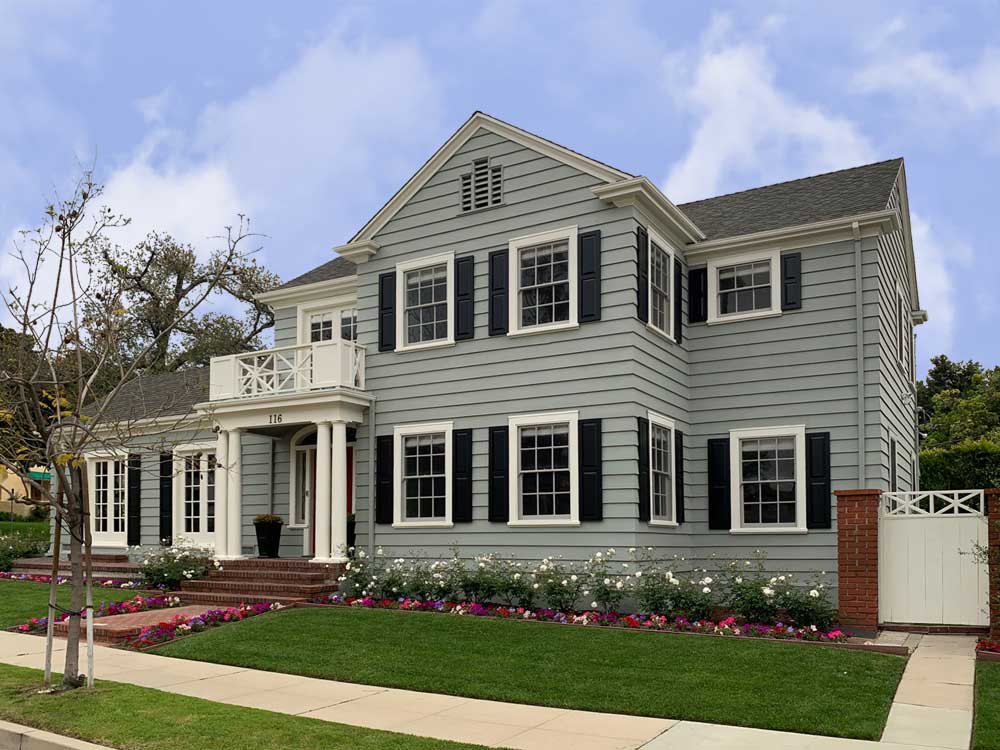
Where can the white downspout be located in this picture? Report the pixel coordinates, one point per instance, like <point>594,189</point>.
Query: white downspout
<point>860,353</point>
<point>371,478</point>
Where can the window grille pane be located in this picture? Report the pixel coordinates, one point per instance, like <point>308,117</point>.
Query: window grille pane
<point>349,325</point>
<point>321,327</point>
<point>192,494</point>
<point>767,481</point>
<point>744,288</point>
<point>210,494</point>
<point>426,304</point>
<point>119,498</point>
<point>101,496</point>
<point>543,272</point>
<point>424,477</point>
<point>659,287</point>
<point>544,473</point>
<point>660,471</point>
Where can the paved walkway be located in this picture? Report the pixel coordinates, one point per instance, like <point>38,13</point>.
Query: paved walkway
<point>431,715</point>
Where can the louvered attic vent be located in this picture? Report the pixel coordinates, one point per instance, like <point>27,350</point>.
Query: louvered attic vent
<point>482,187</point>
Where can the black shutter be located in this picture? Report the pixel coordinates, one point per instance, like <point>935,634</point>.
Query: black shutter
<point>818,489</point>
<point>791,281</point>
<point>134,528</point>
<point>465,297</point>
<point>642,261</point>
<point>498,293</point>
<point>167,498</point>
<point>591,471</point>
<point>387,311</point>
<point>383,479</point>
<point>499,509</point>
<point>893,479</point>
<point>461,471</point>
<point>644,508</point>
<point>697,295</point>
<point>590,276</point>
<point>679,474</point>
<point>719,515</point>
<point>678,308</point>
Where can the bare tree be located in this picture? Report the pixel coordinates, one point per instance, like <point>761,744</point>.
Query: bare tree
<point>64,363</point>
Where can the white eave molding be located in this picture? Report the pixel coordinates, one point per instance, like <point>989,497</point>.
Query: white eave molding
<point>358,252</point>
<point>641,192</point>
<point>294,295</point>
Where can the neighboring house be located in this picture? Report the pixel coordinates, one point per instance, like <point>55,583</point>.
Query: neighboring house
<point>13,490</point>
<point>530,352</point>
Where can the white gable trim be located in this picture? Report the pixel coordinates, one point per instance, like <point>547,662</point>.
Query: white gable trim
<point>639,191</point>
<point>457,140</point>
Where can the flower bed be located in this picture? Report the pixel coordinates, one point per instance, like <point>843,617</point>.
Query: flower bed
<point>108,583</point>
<point>726,627</point>
<point>104,609</point>
<point>182,625</point>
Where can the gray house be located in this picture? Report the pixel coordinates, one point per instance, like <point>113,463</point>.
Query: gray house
<point>530,352</point>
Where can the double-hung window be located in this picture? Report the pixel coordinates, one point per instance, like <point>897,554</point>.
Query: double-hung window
<point>661,471</point>
<point>425,294</point>
<point>423,474</point>
<point>543,469</point>
<point>543,280</point>
<point>767,466</point>
<point>746,286</point>
<point>904,333</point>
<point>661,268</point>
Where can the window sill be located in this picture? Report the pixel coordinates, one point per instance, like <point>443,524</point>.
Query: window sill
<point>664,524</point>
<point>422,525</point>
<point>661,333</point>
<point>734,317</point>
<point>542,524</point>
<point>422,346</point>
<point>297,526</point>
<point>770,530</point>
<point>543,329</point>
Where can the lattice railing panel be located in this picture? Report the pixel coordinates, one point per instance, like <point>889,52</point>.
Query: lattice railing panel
<point>930,503</point>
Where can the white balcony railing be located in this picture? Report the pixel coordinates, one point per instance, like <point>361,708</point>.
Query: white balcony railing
<point>288,369</point>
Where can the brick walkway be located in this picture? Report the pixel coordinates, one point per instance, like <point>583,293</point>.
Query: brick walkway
<point>112,629</point>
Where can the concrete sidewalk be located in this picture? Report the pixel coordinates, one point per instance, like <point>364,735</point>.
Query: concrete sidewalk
<point>428,714</point>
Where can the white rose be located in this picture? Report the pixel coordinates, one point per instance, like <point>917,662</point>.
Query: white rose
<point>707,579</point>
<point>706,590</point>
<point>814,594</point>
<point>739,579</point>
<point>593,605</point>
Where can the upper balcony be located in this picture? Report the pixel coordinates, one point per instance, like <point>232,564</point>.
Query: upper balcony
<point>288,370</point>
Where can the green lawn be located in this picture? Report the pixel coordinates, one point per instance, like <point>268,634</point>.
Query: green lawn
<point>22,600</point>
<point>986,733</point>
<point>749,683</point>
<point>38,530</point>
<point>137,718</point>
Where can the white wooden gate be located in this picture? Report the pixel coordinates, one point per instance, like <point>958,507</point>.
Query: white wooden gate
<point>927,572</point>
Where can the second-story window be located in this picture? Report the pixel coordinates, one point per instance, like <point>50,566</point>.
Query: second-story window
<point>660,274</point>
<point>743,287</point>
<point>349,325</point>
<point>426,298</point>
<point>321,326</point>
<point>543,281</point>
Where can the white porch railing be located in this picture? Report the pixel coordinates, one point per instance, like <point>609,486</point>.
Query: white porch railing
<point>930,503</point>
<point>288,369</point>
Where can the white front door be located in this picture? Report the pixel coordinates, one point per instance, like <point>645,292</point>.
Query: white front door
<point>194,497</point>
<point>108,501</point>
<point>303,509</point>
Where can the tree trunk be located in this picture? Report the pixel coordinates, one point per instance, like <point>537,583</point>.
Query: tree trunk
<point>71,671</point>
<point>53,596</point>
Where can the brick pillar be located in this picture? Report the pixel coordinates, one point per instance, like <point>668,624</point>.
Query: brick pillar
<point>993,519</point>
<point>857,558</point>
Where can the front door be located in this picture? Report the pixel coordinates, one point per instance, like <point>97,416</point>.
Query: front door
<point>304,493</point>
<point>109,501</point>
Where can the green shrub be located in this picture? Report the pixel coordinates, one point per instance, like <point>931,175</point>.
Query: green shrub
<point>559,583</point>
<point>167,567</point>
<point>605,587</point>
<point>807,607</point>
<point>972,464</point>
<point>14,546</point>
<point>690,597</point>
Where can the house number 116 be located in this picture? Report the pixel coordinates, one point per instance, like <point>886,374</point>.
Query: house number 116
<point>274,418</point>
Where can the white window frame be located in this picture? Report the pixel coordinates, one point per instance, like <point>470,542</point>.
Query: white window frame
<point>653,236</point>
<point>798,432</point>
<point>305,312</point>
<point>668,424</point>
<point>716,263</point>
<point>398,433</point>
<point>107,538</point>
<point>570,234</point>
<point>514,425</point>
<point>904,331</point>
<point>446,259</point>
<point>201,538</point>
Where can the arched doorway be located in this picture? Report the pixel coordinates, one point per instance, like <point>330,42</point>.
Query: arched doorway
<point>302,484</point>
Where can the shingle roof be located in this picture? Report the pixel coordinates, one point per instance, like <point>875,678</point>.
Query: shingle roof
<point>170,394</point>
<point>787,204</point>
<point>337,268</point>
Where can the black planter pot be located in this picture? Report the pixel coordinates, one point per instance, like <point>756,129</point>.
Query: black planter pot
<point>350,533</point>
<point>268,539</point>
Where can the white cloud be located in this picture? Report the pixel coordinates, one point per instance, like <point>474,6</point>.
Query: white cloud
<point>153,107</point>
<point>747,126</point>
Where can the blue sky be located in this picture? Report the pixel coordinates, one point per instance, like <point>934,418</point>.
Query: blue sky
<point>308,116</point>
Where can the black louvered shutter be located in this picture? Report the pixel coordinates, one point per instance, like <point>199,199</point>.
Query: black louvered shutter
<point>642,262</point>
<point>591,471</point>
<point>679,474</point>
<point>678,308</point>
<point>893,479</point>
<point>697,295</point>
<point>465,297</point>
<point>387,311</point>
<point>818,485</point>
<point>461,471</point>
<point>644,480</point>
<point>383,479</point>
<point>167,498</point>
<point>498,293</point>
<point>590,276</point>
<point>134,535</point>
<point>791,281</point>
<point>499,508</point>
<point>719,515</point>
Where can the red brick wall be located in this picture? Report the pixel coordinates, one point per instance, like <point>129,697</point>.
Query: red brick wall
<point>857,558</point>
<point>993,512</point>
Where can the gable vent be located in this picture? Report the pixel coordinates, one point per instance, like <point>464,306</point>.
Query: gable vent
<point>483,186</point>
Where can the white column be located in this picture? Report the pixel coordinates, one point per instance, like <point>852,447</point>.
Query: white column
<point>221,493</point>
<point>322,499</point>
<point>234,497</point>
<point>338,494</point>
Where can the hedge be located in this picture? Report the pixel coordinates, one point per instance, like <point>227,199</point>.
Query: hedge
<point>970,465</point>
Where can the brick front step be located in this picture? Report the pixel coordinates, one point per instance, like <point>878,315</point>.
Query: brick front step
<point>116,627</point>
<point>262,588</point>
<point>248,574</point>
<point>282,564</point>
<point>211,599</point>
<point>44,565</point>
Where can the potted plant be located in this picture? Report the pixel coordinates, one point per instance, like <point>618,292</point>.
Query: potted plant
<point>268,528</point>
<point>350,530</point>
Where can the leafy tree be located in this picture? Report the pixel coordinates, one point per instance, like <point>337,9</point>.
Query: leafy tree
<point>945,375</point>
<point>968,413</point>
